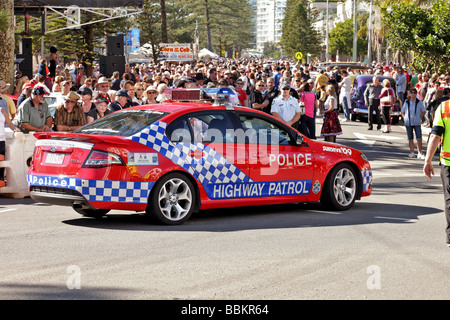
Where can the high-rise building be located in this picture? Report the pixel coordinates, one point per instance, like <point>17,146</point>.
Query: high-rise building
<point>253,6</point>
<point>269,21</point>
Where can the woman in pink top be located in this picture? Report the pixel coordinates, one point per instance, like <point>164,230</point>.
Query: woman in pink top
<point>307,124</point>
<point>387,106</point>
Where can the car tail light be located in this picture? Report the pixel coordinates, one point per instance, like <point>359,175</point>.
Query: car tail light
<point>98,159</point>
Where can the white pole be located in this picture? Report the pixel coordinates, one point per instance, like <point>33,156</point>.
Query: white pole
<point>369,45</point>
<point>327,54</point>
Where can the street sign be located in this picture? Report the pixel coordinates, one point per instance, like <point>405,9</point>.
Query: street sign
<point>299,56</point>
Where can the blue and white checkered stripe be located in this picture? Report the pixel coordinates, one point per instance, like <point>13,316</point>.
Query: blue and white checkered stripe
<point>114,191</point>
<point>98,190</point>
<point>211,168</point>
<point>366,179</point>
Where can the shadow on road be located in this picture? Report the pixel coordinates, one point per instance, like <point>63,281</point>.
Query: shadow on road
<point>311,215</point>
<point>52,292</point>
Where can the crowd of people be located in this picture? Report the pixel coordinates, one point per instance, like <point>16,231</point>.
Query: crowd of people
<point>292,92</point>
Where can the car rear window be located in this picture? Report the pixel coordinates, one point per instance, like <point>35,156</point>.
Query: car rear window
<point>123,123</point>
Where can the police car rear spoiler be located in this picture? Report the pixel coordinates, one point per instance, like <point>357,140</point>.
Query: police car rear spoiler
<point>69,136</point>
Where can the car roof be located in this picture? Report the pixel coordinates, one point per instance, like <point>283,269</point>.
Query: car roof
<point>363,78</point>
<point>345,65</point>
<point>175,107</point>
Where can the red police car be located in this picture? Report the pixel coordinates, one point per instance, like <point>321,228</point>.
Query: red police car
<point>175,158</point>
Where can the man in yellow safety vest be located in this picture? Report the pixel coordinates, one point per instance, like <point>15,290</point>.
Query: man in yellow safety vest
<point>440,133</point>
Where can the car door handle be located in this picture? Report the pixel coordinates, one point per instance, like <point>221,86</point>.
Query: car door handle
<point>197,154</point>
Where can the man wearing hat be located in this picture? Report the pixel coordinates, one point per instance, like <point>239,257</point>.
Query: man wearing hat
<point>102,87</point>
<point>33,114</point>
<point>122,101</point>
<point>69,116</point>
<point>5,101</point>
<point>66,86</point>
<point>286,107</point>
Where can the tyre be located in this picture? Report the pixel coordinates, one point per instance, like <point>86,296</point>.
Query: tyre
<point>92,213</point>
<point>172,199</point>
<point>353,117</point>
<point>340,188</point>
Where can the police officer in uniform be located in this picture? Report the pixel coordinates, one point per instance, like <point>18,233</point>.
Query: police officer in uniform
<point>440,133</point>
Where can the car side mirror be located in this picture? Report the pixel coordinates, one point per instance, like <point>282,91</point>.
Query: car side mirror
<point>299,140</point>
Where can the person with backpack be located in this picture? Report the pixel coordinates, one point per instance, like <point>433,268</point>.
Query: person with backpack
<point>412,113</point>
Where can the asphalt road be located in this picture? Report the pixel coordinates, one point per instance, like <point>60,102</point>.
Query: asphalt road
<point>390,245</point>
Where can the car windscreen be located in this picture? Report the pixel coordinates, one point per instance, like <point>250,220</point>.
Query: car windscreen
<point>123,123</point>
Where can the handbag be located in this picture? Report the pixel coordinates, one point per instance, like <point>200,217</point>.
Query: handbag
<point>387,99</point>
<point>302,104</point>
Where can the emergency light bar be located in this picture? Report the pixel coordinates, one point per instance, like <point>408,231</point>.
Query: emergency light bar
<point>218,96</point>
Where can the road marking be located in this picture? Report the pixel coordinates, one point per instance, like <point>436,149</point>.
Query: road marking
<point>327,212</point>
<point>394,218</point>
<point>363,138</point>
<point>6,210</point>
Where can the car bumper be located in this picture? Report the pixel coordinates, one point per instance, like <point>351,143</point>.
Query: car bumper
<point>56,196</point>
<point>365,112</point>
<point>94,193</point>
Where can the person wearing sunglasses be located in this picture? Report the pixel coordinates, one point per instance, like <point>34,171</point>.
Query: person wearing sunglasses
<point>286,107</point>
<point>70,115</point>
<point>257,100</point>
<point>33,114</point>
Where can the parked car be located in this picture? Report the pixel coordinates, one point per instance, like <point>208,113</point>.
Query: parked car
<point>172,159</point>
<point>53,100</point>
<point>358,108</point>
<point>356,68</point>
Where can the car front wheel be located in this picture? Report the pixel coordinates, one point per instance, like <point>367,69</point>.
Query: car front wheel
<point>340,188</point>
<point>172,199</point>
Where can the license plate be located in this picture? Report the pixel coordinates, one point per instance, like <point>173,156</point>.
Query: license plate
<point>55,158</point>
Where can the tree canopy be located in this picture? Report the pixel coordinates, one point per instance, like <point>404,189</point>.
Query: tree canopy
<point>341,39</point>
<point>422,31</point>
<point>228,23</point>
<point>298,33</point>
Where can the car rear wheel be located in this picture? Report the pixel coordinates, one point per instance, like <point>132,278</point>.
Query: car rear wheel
<point>340,188</point>
<point>172,199</point>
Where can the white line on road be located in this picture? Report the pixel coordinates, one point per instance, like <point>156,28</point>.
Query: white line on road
<point>6,210</point>
<point>327,212</point>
